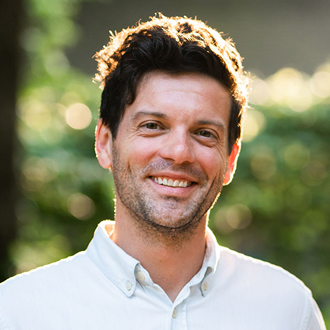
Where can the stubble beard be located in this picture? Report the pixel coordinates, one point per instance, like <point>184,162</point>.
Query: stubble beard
<point>148,218</point>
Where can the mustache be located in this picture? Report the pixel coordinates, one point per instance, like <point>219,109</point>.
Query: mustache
<point>167,165</point>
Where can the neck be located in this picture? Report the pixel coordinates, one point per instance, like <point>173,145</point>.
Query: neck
<point>171,262</point>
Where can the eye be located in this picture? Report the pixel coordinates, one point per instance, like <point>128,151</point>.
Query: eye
<point>205,133</point>
<point>151,126</point>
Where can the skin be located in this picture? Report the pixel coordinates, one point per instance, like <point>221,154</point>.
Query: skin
<point>176,129</point>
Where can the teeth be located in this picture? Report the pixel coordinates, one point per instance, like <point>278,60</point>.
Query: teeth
<point>171,183</point>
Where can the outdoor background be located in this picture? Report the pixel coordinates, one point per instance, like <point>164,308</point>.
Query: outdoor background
<point>53,193</point>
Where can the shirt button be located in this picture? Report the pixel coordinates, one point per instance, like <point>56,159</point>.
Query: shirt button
<point>140,276</point>
<point>174,313</point>
<point>128,285</point>
<point>205,286</point>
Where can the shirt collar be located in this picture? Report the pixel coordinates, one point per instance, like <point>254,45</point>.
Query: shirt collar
<point>211,260</point>
<point>115,263</point>
<point>122,269</point>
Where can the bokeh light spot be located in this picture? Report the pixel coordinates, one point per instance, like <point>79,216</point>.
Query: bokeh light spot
<point>81,206</point>
<point>320,84</point>
<point>35,114</point>
<point>260,92</point>
<point>314,173</point>
<point>235,217</point>
<point>263,164</point>
<point>238,216</point>
<point>290,87</point>
<point>78,116</point>
<point>37,171</point>
<point>254,123</point>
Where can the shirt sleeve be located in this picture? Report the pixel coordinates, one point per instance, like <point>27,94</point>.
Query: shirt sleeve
<point>315,321</point>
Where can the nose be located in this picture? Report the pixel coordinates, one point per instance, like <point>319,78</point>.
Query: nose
<point>178,147</point>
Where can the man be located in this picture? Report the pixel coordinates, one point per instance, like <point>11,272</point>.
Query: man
<point>174,93</point>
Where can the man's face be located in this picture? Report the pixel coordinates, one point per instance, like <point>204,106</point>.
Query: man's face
<point>170,155</point>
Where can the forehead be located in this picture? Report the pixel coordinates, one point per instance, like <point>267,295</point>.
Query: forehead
<point>186,96</point>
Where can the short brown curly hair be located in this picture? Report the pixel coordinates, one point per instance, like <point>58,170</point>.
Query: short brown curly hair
<point>173,45</point>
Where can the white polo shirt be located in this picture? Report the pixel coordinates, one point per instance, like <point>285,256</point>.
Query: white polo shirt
<point>105,288</point>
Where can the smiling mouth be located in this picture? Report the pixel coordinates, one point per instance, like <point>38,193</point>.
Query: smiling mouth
<point>172,183</point>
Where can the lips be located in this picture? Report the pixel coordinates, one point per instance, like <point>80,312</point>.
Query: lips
<point>172,182</point>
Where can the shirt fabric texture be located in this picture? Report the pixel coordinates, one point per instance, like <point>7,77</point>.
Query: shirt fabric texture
<point>105,288</point>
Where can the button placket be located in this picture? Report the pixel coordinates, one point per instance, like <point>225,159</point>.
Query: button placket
<point>179,317</point>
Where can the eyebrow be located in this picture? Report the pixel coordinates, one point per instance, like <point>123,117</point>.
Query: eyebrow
<point>216,123</point>
<point>149,113</point>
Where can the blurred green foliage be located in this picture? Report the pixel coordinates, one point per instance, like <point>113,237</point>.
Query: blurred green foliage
<point>276,209</point>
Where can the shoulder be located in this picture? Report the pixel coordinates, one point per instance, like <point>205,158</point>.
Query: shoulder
<point>29,297</point>
<point>48,272</point>
<point>257,270</point>
<point>39,284</point>
<point>268,290</point>
<point>251,272</point>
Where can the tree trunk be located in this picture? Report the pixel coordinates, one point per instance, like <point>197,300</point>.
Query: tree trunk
<point>10,19</point>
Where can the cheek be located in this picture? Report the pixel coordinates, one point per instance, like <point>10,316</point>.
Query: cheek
<point>213,163</point>
<point>139,153</point>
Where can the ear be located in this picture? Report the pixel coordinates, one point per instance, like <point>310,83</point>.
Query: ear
<point>103,145</point>
<point>232,161</point>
